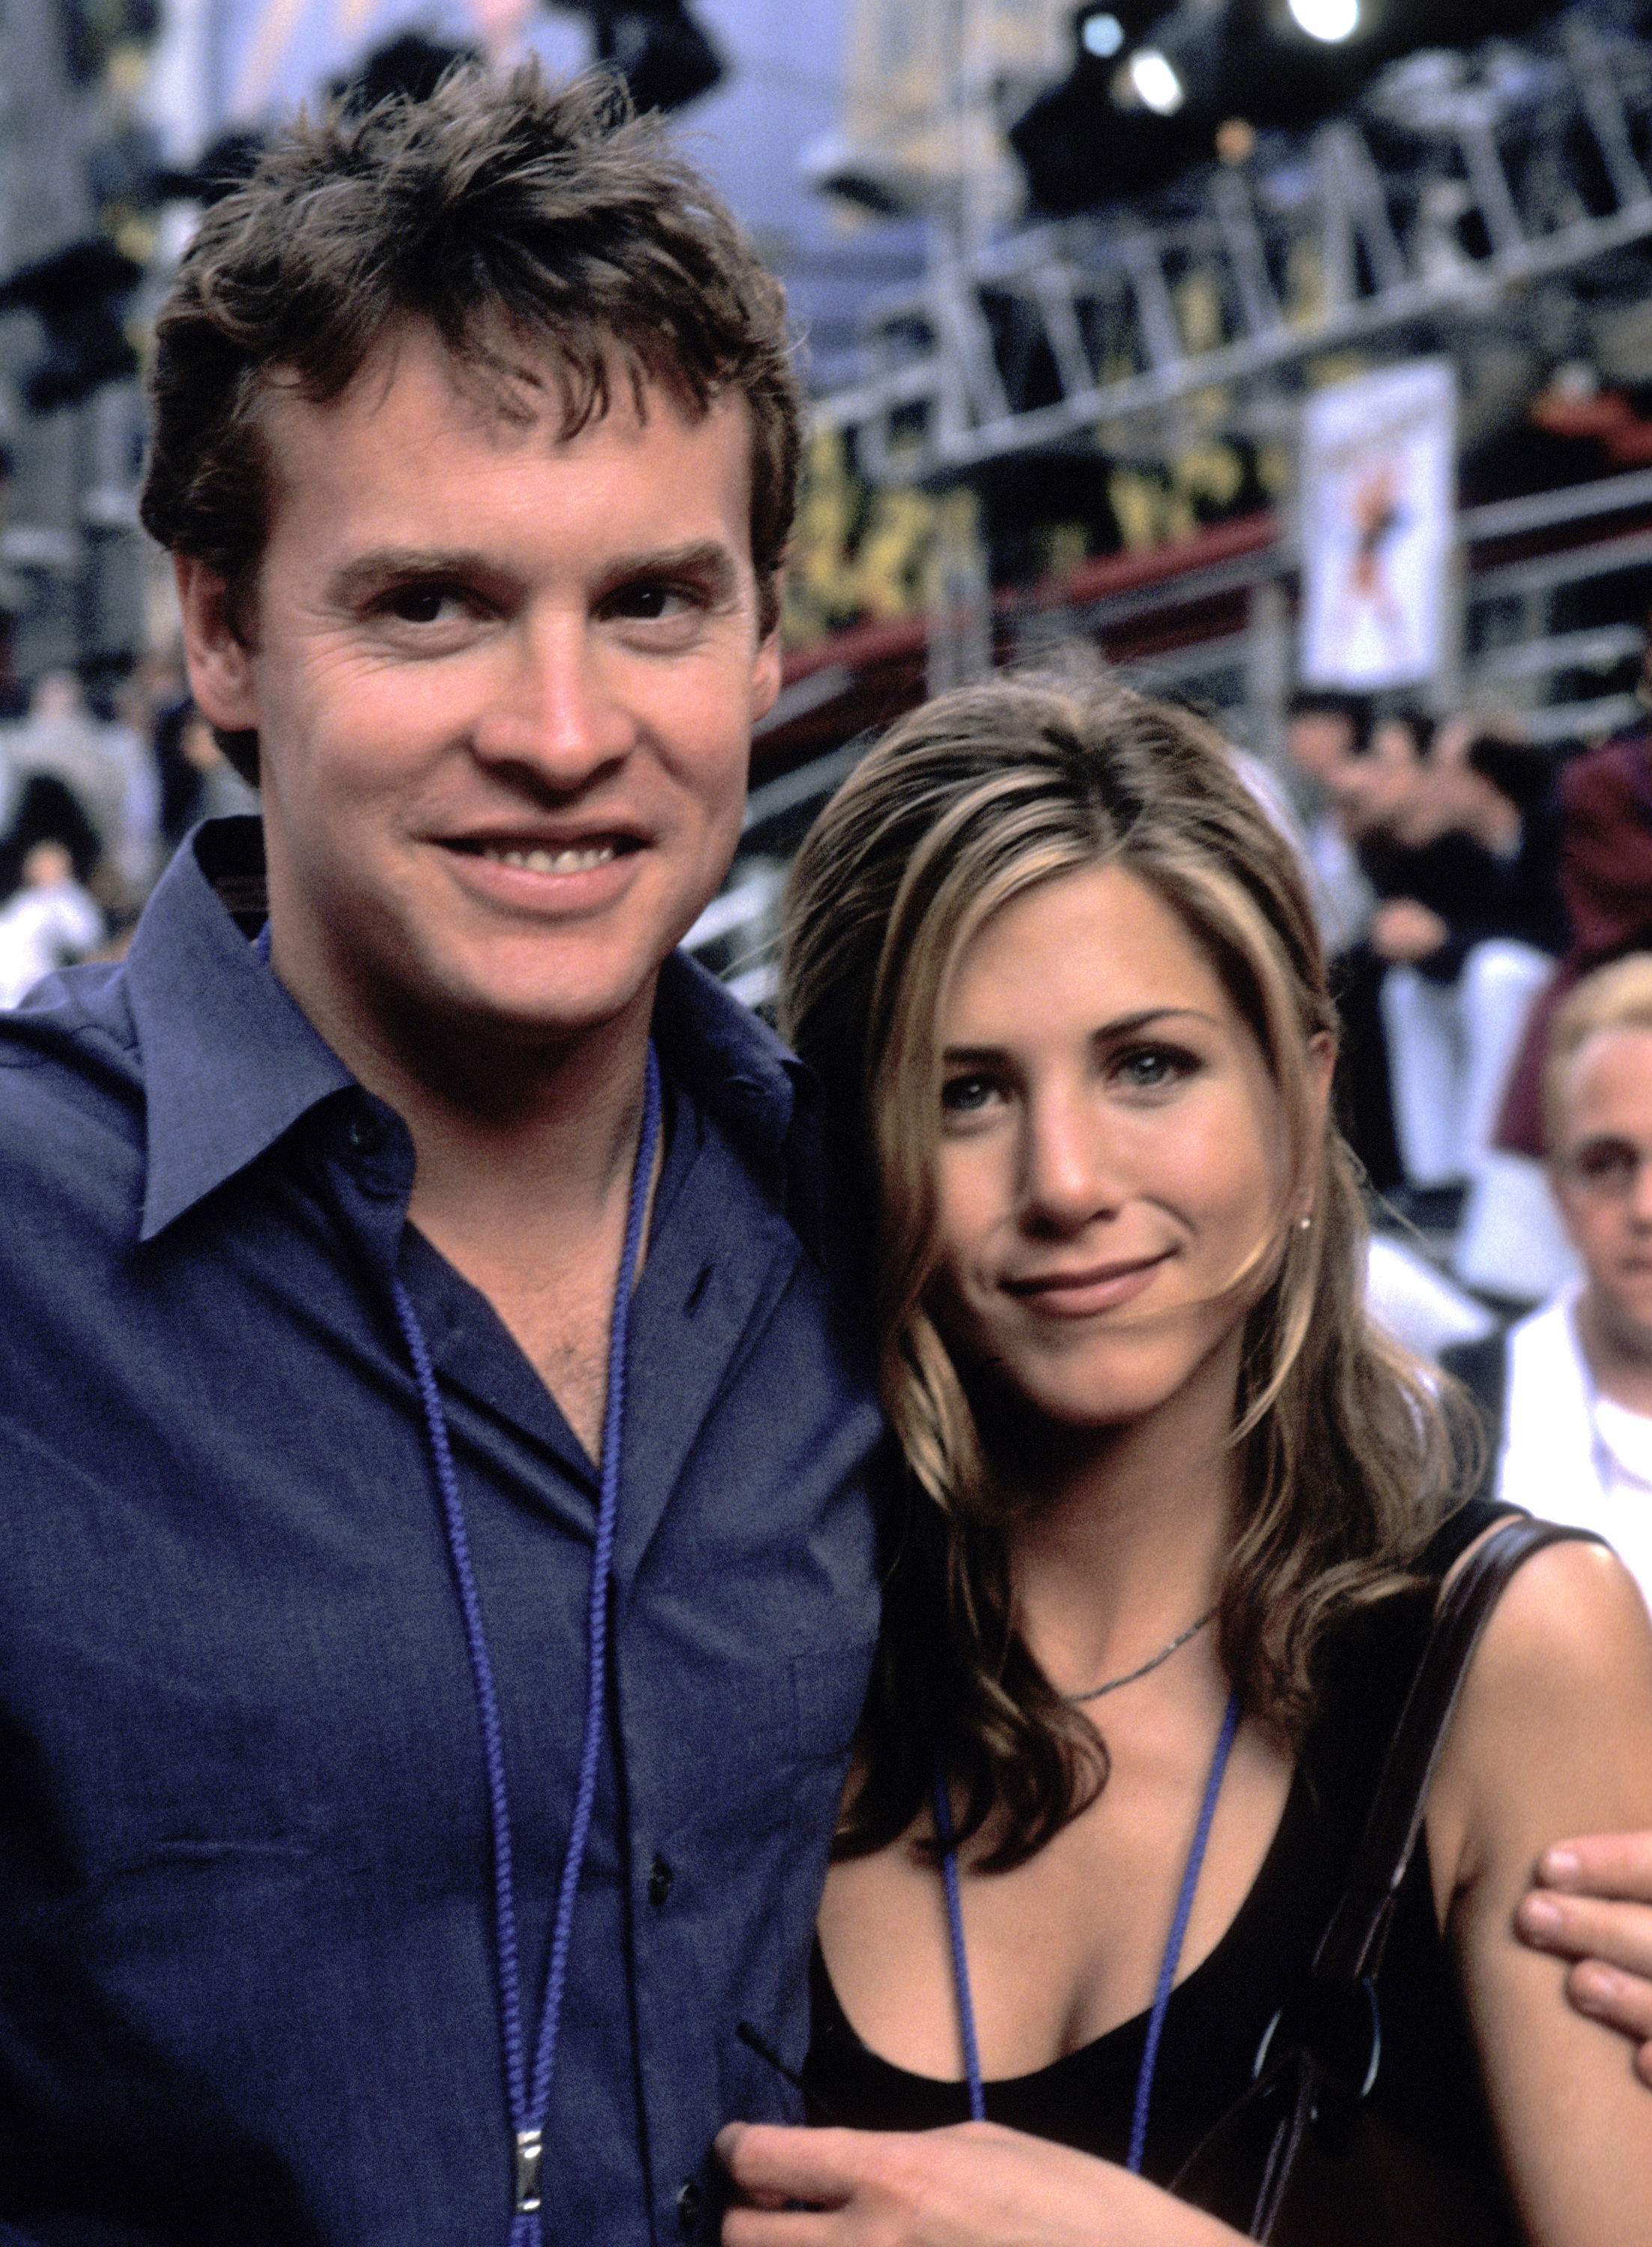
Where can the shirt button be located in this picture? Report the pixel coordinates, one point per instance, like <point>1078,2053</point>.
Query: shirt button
<point>690,2206</point>
<point>366,1133</point>
<point>660,1877</point>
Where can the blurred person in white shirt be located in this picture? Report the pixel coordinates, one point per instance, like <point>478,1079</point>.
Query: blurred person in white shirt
<point>47,923</point>
<point>1567,1392</point>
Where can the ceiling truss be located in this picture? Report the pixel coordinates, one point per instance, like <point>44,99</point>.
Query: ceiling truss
<point>1519,164</point>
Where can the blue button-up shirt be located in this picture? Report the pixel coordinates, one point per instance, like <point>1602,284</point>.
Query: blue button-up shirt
<point>248,1972</point>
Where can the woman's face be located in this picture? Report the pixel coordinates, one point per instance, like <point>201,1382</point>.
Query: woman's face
<point>1111,1157</point>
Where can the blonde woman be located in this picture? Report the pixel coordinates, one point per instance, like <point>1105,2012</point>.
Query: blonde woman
<point>1179,1519</point>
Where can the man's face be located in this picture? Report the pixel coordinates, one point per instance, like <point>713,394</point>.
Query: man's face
<point>1601,1173</point>
<point>503,685</point>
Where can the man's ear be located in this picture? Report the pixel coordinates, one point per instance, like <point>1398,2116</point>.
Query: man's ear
<point>766,665</point>
<point>218,660</point>
<point>766,675</point>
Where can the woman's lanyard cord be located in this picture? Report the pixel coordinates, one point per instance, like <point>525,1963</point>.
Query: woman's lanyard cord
<point>1167,1965</point>
<point>530,2098</point>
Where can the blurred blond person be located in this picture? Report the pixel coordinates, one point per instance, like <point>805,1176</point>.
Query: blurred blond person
<point>1569,1390</point>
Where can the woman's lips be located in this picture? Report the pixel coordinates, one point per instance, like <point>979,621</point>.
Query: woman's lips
<point>1079,1295</point>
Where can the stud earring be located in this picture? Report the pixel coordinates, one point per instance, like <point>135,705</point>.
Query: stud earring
<point>1305,1224</point>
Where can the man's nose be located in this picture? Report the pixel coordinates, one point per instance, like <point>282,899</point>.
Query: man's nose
<point>1641,1192</point>
<point>556,710</point>
<point>1071,1163</point>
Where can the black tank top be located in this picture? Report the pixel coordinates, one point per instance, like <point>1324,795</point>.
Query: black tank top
<point>1428,2082</point>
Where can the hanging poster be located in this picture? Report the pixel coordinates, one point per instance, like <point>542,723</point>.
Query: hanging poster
<point>1378,504</point>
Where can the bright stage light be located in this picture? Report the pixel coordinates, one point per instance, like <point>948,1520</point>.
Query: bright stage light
<point>1100,34</point>
<point>1157,87</point>
<point>1330,20</point>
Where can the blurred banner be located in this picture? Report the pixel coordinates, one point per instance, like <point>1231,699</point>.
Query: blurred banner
<point>1378,502</point>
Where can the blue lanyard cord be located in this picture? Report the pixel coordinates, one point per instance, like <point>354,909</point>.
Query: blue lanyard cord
<point>1172,1958</point>
<point>1167,1965</point>
<point>529,2100</point>
<point>960,1957</point>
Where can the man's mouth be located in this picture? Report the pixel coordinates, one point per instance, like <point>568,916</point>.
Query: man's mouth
<point>545,859</point>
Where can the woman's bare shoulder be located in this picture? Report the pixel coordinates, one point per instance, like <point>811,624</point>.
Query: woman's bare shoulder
<point>1553,1737</point>
<point>1570,1621</point>
<point>1554,1729</point>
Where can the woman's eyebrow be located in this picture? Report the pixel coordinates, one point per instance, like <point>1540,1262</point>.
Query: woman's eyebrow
<point>1121,1026</point>
<point>1124,1025</point>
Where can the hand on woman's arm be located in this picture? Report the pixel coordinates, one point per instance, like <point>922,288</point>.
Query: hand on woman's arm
<point>1593,1903</point>
<point>1555,1735</point>
<point>975,2185</point>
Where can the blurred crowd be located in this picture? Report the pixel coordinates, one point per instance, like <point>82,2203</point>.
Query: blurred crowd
<point>1465,879</point>
<point>97,789</point>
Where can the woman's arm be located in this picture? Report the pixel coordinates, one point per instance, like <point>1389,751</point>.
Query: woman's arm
<point>1593,1903</point>
<point>1553,1735</point>
<point>974,2185</point>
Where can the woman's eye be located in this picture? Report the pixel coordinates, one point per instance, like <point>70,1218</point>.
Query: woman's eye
<point>1150,1068</point>
<point>967,1096</point>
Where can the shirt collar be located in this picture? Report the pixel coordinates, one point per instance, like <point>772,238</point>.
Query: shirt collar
<point>230,1061</point>
<point>730,1058</point>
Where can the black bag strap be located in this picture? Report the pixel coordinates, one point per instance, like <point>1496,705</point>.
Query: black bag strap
<point>1351,1948</point>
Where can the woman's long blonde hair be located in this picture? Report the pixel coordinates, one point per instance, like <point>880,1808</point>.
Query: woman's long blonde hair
<point>1347,1464</point>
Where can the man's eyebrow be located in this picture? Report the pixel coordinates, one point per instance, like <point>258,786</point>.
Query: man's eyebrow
<point>708,559</point>
<point>391,565</point>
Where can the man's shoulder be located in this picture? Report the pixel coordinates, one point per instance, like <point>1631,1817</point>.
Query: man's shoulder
<point>767,1103</point>
<point>1550,1328</point>
<point>72,1043</point>
<point>729,1060</point>
<point>71,1143</point>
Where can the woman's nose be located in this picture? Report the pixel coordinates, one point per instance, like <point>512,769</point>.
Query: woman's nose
<point>1071,1170</point>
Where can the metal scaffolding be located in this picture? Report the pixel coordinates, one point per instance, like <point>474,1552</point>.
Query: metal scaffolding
<point>1519,166</point>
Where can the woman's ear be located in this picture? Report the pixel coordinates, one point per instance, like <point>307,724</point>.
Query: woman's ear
<point>1321,1070</point>
<point>219,661</point>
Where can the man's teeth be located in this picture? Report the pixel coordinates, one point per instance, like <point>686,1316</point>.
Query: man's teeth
<point>553,862</point>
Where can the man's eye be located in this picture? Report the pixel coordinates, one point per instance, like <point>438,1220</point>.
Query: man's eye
<point>1610,1162</point>
<point>648,601</point>
<point>422,604</point>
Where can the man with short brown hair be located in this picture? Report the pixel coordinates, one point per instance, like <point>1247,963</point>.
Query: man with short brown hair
<point>437,1576</point>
